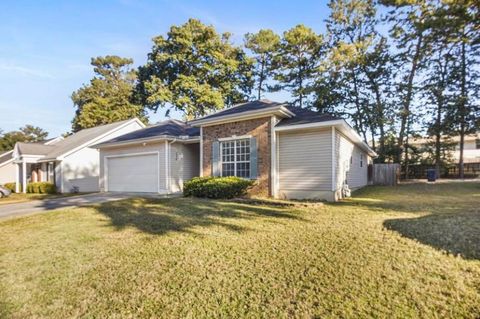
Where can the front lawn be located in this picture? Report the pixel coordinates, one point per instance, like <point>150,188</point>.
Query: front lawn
<point>398,252</point>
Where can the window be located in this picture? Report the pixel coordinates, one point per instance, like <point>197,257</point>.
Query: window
<point>477,143</point>
<point>236,158</point>
<point>361,160</point>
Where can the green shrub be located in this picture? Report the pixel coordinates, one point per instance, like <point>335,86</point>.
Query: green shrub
<point>11,187</point>
<point>217,187</point>
<point>41,188</point>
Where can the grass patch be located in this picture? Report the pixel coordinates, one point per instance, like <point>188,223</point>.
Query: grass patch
<point>194,258</point>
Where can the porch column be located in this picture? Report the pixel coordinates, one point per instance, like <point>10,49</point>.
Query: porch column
<point>24,176</point>
<point>17,178</point>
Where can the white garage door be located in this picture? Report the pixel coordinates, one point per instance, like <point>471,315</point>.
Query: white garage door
<point>138,173</point>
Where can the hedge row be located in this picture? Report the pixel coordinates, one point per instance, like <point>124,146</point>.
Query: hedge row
<point>11,186</point>
<point>41,188</point>
<point>217,187</point>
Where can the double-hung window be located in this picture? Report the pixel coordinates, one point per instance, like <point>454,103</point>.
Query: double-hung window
<point>235,156</point>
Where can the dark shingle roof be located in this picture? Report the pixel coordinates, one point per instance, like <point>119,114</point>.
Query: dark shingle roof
<point>243,107</point>
<point>168,127</point>
<point>306,116</point>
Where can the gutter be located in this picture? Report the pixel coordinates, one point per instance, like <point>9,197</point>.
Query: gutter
<point>158,138</point>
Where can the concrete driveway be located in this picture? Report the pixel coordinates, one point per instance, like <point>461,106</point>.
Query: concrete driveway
<point>19,209</point>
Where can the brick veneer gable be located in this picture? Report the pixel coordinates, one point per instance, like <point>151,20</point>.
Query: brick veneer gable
<point>260,129</point>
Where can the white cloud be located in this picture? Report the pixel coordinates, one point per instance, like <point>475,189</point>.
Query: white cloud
<point>25,70</point>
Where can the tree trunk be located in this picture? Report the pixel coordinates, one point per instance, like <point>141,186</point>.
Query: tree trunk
<point>261,78</point>
<point>405,113</point>
<point>463,101</point>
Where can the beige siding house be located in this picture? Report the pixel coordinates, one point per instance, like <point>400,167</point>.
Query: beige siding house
<point>71,163</point>
<point>289,152</point>
<point>156,159</point>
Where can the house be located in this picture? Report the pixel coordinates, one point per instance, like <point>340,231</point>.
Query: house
<point>290,152</point>
<point>7,166</point>
<point>71,163</point>
<point>471,151</point>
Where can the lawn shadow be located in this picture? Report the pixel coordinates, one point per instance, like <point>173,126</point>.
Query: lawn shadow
<point>443,216</point>
<point>458,233</point>
<point>160,216</point>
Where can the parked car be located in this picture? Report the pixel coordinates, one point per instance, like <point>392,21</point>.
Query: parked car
<point>4,192</point>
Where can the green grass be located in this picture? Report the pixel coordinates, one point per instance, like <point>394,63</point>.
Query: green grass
<point>399,252</point>
<point>21,197</point>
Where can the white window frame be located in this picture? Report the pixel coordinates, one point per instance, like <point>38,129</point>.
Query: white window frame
<point>361,159</point>
<point>235,161</point>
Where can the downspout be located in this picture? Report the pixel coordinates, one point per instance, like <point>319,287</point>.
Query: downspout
<point>168,164</point>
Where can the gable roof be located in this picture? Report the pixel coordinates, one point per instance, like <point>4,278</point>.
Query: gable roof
<point>166,129</point>
<point>82,137</point>
<point>33,148</point>
<point>6,157</point>
<point>243,110</point>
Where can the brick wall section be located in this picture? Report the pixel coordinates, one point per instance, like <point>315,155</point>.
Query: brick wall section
<point>258,128</point>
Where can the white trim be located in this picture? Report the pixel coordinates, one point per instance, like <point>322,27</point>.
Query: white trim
<point>201,152</point>
<point>17,178</point>
<point>53,140</point>
<point>234,137</point>
<point>235,161</point>
<point>166,166</point>
<point>334,164</point>
<point>273,157</point>
<point>92,141</point>
<point>60,174</point>
<point>105,165</point>
<point>309,125</point>
<point>159,138</point>
<point>24,176</point>
<point>279,110</point>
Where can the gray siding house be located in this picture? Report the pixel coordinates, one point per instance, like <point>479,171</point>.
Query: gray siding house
<point>291,153</point>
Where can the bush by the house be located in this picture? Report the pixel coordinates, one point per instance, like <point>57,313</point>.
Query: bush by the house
<point>217,187</point>
<point>41,188</point>
<point>10,186</point>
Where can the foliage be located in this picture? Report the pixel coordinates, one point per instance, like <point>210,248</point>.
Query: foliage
<point>41,188</point>
<point>264,45</point>
<point>196,70</point>
<point>11,187</point>
<point>297,63</point>
<point>28,133</point>
<point>394,247</point>
<point>217,187</point>
<point>108,97</point>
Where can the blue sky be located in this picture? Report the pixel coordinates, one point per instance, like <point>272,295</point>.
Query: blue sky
<point>46,46</point>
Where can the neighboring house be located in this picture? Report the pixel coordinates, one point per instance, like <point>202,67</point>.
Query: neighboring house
<point>70,163</point>
<point>471,152</point>
<point>290,152</point>
<point>7,167</point>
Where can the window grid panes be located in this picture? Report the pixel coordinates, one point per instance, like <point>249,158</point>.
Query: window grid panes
<point>236,158</point>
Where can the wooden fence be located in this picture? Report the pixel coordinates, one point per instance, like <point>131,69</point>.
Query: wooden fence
<point>418,171</point>
<point>384,174</point>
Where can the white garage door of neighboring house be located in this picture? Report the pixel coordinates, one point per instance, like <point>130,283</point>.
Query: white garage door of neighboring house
<point>133,173</point>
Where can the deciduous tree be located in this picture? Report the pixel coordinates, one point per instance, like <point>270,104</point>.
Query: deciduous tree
<point>108,97</point>
<point>195,70</point>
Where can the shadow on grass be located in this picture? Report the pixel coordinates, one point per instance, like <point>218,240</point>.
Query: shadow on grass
<point>449,221</point>
<point>160,216</point>
<point>458,234</point>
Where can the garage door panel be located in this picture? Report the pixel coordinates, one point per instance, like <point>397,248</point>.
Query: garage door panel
<point>138,173</point>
